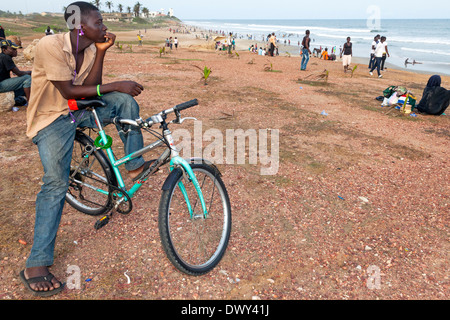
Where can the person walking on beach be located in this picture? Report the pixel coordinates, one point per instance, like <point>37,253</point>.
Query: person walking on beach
<point>305,50</point>
<point>59,76</point>
<point>372,52</point>
<point>385,52</point>
<point>378,56</point>
<point>273,43</point>
<point>347,54</point>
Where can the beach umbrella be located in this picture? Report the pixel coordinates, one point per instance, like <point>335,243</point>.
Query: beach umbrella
<point>219,38</point>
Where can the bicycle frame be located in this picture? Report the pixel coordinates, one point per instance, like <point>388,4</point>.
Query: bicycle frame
<point>175,162</point>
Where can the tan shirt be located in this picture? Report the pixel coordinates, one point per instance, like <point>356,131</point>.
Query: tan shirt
<point>53,61</point>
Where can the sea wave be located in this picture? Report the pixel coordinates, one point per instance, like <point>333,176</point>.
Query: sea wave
<point>439,52</point>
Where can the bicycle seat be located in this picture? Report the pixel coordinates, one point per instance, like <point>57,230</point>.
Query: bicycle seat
<point>76,105</point>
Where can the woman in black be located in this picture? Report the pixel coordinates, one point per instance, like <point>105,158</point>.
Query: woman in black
<point>348,53</point>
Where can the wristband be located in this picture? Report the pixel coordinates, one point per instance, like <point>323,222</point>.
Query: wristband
<point>98,91</point>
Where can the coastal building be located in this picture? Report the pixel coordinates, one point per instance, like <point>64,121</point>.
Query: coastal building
<point>117,16</point>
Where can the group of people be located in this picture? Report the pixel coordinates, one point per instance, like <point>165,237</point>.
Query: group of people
<point>378,54</point>
<point>171,42</point>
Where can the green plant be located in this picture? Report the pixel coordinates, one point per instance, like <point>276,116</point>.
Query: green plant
<point>354,69</point>
<point>206,73</point>
<point>162,51</point>
<point>268,66</point>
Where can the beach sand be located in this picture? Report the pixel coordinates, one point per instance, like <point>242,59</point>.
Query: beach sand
<point>362,186</point>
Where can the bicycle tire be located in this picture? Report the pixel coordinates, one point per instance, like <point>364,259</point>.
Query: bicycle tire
<point>187,251</point>
<point>96,172</point>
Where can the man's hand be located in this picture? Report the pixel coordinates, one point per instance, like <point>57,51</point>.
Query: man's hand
<point>129,87</point>
<point>110,39</point>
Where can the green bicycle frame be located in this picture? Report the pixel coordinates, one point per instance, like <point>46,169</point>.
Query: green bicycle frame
<point>176,161</point>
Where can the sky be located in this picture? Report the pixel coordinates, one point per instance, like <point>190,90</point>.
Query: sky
<point>262,9</point>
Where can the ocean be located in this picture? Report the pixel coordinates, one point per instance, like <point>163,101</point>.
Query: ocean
<point>425,41</point>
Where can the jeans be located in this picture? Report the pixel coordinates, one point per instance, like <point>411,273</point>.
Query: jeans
<point>377,65</point>
<point>16,84</point>
<point>55,144</point>
<point>383,61</point>
<point>305,59</point>
<point>371,61</point>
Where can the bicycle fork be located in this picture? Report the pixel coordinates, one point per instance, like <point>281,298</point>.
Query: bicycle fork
<point>177,161</point>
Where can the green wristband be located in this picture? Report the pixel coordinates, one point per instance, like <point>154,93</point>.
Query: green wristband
<point>98,91</point>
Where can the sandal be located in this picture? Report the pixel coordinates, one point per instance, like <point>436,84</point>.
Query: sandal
<point>48,278</point>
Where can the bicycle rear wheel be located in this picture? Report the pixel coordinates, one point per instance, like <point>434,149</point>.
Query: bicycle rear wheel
<point>195,245</point>
<point>90,178</point>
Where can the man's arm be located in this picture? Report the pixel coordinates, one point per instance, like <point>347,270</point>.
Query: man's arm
<point>70,91</point>
<point>89,87</point>
<point>19,73</point>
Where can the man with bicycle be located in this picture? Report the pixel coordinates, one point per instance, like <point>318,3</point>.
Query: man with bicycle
<point>69,66</point>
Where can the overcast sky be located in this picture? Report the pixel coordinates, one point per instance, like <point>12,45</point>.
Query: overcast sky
<point>262,9</point>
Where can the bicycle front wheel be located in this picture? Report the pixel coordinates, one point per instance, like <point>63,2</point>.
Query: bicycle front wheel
<point>195,244</point>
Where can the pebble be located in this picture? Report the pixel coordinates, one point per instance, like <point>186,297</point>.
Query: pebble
<point>364,199</point>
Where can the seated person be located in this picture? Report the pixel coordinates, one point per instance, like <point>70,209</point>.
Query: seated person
<point>52,127</point>
<point>435,99</point>
<point>2,33</point>
<point>325,54</point>
<point>20,84</point>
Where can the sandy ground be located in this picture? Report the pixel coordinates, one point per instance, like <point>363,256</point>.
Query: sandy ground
<point>362,188</point>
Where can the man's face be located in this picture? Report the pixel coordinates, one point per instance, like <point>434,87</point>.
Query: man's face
<point>10,51</point>
<point>93,27</point>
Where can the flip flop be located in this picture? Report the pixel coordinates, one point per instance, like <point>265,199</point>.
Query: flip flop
<point>48,278</point>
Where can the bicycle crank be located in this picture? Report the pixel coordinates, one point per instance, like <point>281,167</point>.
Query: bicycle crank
<point>121,201</point>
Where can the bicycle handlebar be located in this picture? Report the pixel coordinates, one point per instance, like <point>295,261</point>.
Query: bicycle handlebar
<point>158,118</point>
<point>186,105</point>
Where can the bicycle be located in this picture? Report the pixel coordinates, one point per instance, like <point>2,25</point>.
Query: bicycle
<point>194,211</point>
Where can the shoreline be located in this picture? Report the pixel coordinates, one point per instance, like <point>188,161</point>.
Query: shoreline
<point>294,51</point>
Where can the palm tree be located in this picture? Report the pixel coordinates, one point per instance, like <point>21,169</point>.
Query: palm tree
<point>97,3</point>
<point>129,9</point>
<point>137,9</point>
<point>146,12</point>
<point>120,7</point>
<point>109,4</point>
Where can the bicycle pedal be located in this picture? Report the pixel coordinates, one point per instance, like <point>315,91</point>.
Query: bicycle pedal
<point>102,222</point>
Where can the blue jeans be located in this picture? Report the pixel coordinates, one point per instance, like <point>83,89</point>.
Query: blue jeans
<point>16,84</point>
<point>377,65</point>
<point>305,59</point>
<point>55,144</point>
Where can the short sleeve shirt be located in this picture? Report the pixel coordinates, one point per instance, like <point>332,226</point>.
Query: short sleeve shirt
<point>379,50</point>
<point>6,65</point>
<point>54,61</point>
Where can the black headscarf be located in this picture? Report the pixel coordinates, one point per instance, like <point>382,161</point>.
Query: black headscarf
<point>435,99</point>
<point>435,81</point>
